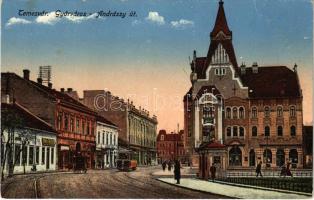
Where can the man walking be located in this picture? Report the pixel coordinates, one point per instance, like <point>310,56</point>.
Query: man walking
<point>259,169</point>
<point>177,171</point>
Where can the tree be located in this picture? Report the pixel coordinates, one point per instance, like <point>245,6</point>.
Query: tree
<point>13,125</point>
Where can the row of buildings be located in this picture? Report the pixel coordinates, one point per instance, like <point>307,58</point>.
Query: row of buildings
<point>236,115</point>
<point>61,126</point>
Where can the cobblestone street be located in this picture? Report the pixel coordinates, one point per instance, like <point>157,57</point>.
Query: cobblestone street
<point>96,184</point>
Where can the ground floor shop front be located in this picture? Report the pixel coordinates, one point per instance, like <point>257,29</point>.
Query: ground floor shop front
<point>68,150</point>
<point>106,158</point>
<point>144,156</point>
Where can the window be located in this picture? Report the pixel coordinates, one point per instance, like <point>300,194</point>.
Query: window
<point>254,112</point>
<point>98,137</point>
<point>59,122</point>
<point>292,111</point>
<point>107,136</point>
<point>216,71</point>
<point>103,137</point>
<point>292,131</point>
<point>52,155</point>
<point>241,113</point>
<point>279,111</point>
<point>31,155</point>
<point>43,153</point>
<point>267,131</point>
<point>114,139</point>
<point>162,137</point>
<point>229,131</point>
<point>266,111</point>
<point>235,113</point>
<point>280,157</point>
<point>228,113</point>
<point>17,154</point>
<point>78,126</point>
<point>254,131</point>
<point>37,155</point>
<point>66,122</point>
<point>241,132</point>
<point>235,131</point>
<point>83,127</point>
<point>223,71</point>
<point>72,124</point>
<point>279,130</point>
<point>252,158</point>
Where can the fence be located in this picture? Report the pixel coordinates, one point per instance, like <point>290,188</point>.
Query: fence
<point>267,173</point>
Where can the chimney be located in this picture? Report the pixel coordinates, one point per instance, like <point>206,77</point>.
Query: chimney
<point>70,89</point>
<point>26,73</point>
<point>62,90</point>
<point>50,85</point>
<point>243,70</point>
<point>255,68</point>
<point>40,81</point>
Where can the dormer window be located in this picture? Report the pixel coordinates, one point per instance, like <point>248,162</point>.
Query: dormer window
<point>220,71</point>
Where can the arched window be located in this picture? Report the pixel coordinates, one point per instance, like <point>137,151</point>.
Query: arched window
<point>252,158</point>
<point>229,132</point>
<point>292,131</point>
<point>279,131</point>
<point>254,131</point>
<point>228,113</point>
<point>266,111</point>
<point>235,156</point>
<point>279,111</point>
<point>162,137</point>
<point>241,132</point>
<point>267,131</point>
<point>292,111</point>
<point>293,156</point>
<point>235,131</point>
<point>235,113</point>
<point>267,156</point>
<point>280,157</point>
<point>254,112</point>
<point>241,113</point>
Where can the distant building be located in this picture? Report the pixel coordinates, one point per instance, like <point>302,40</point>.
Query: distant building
<point>137,129</point>
<point>106,143</point>
<point>74,122</point>
<point>308,146</point>
<point>244,114</point>
<point>170,146</point>
<point>40,141</point>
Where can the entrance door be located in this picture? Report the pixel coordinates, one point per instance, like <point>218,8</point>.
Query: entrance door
<point>48,158</point>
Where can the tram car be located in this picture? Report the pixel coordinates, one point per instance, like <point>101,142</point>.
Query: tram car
<point>125,162</point>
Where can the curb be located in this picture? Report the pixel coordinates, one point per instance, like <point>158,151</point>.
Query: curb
<point>202,191</point>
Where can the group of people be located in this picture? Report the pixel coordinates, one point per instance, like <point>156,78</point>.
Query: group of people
<point>176,171</point>
<point>285,169</point>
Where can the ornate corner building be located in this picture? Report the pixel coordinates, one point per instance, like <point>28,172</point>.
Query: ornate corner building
<point>236,116</point>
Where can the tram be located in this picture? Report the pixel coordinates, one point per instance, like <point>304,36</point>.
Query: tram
<point>125,162</point>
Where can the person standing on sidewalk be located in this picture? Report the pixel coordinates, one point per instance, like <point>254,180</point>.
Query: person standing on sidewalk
<point>169,165</point>
<point>177,171</point>
<point>164,165</point>
<point>259,169</point>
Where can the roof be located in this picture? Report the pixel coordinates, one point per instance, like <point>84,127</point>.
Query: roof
<point>271,82</point>
<point>104,120</point>
<point>221,22</point>
<point>29,120</point>
<point>171,136</point>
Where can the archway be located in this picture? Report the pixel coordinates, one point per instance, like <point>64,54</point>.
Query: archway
<point>235,156</point>
<point>252,158</point>
<point>280,157</point>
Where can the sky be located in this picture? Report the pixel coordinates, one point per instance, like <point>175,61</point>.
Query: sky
<point>145,57</point>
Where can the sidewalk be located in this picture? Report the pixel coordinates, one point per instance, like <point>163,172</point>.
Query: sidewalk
<point>185,172</point>
<point>231,190</point>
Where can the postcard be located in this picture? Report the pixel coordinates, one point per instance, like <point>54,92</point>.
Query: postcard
<point>157,99</point>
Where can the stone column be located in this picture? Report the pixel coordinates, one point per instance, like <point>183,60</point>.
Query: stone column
<point>300,158</point>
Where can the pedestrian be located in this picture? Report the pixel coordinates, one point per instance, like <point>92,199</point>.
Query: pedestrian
<point>177,171</point>
<point>288,169</point>
<point>259,169</point>
<point>213,171</point>
<point>164,165</point>
<point>283,171</point>
<point>169,165</point>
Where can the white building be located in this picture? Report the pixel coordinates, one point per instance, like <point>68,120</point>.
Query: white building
<point>106,144</point>
<point>41,155</point>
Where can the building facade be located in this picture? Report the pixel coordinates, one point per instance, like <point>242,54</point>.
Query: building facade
<point>170,146</point>
<point>106,144</point>
<point>35,142</point>
<point>247,114</point>
<point>74,122</point>
<point>137,129</point>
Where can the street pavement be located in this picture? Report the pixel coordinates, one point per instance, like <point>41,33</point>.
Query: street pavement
<point>97,184</point>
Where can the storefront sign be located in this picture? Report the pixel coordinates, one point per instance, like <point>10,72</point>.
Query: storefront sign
<point>48,142</point>
<point>64,148</point>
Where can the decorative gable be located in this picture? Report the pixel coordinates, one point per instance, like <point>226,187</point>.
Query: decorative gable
<point>220,56</point>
